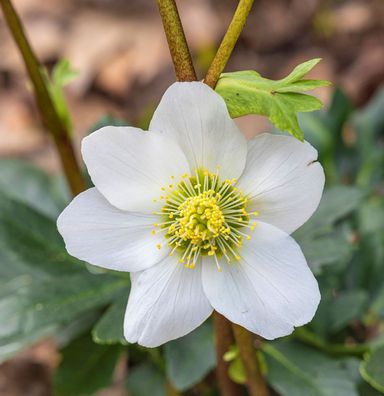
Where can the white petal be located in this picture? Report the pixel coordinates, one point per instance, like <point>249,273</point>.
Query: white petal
<point>166,302</point>
<point>197,118</point>
<point>129,166</point>
<point>97,232</point>
<point>283,179</point>
<point>270,290</point>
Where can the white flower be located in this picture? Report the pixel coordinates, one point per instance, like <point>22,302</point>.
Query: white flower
<point>200,217</point>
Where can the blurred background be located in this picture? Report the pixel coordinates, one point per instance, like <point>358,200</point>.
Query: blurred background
<point>119,49</point>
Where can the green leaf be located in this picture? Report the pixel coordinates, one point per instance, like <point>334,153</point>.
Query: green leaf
<point>85,368</point>
<point>145,380</point>
<point>372,369</point>
<point>324,243</point>
<point>294,369</point>
<point>377,306</point>
<point>35,303</point>
<point>63,73</point>
<point>190,358</point>
<point>61,76</point>
<point>110,328</point>
<point>246,92</point>
<point>325,250</point>
<point>366,390</point>
<point>27,184</point>
<point>42,288</point>
<point>336,203</point>
<point>107,120</point>
<point>347,306</point>
<point>30,243</point>
<point>369,124</point>
<point>236,371</point>
<point>300,71</point>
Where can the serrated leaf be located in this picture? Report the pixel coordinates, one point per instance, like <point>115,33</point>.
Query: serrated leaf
<point>85,367</point>
<point>190,358</point>
<point>300,71</point>
<point>246,92</point>
<point>372,369</point>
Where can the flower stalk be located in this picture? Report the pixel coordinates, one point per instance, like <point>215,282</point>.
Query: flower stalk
<point>229,41</point>
<point>181,57</point>
<point>255,380</point>
<point>48,113</point>
<point>223,340</point>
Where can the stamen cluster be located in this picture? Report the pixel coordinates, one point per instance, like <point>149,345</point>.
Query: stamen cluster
<point>204,216</point>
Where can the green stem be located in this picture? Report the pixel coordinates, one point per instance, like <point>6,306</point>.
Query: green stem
<point>48,113</point>
<point>312,339</point>
<point>224,340</point>
<point>177,43</point>
<point>255,380</point>
<point>228,44</point>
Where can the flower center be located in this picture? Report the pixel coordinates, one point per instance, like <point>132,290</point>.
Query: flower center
<point>204,216</point>
<point>200,218</point>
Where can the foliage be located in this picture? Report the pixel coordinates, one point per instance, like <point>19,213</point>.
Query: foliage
<point>62,75</point>
<point>246,92</point>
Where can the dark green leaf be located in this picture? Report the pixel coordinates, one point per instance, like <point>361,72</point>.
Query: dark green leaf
<point>108,120</point>
<point>370,120</point>
<point>347,306</point>
<point>372,369</point>
<point>27,184</point>
<point>35,308</point>
<point>297,370</point>
<point>189,359</point>
<point>336,203</point>
<point>110,328</point>
<point>85,368</point>
<point>41,303</point>
<point>145,380</point>
<point>30,243</point>
<point>326,250</point>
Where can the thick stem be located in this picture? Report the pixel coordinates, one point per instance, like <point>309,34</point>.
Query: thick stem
<point>255,380</point>
<point>228,44</point>
<point>177,43</point>
<point>49,115</point>
<point>224,339</point>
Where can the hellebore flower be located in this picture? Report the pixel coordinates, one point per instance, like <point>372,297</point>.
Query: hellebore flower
<point>201,218</point>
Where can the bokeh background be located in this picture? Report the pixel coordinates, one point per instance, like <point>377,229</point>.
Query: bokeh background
<point>120,51</point>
